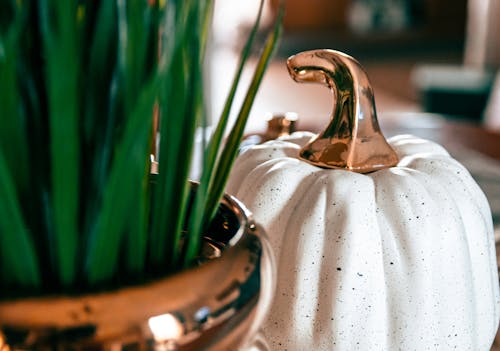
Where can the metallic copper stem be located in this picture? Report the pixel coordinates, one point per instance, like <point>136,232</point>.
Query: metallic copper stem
<point>280,124</point>
<point>353,140</point>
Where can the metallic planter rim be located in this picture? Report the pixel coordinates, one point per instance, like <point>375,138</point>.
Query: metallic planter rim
<point>225,298</point>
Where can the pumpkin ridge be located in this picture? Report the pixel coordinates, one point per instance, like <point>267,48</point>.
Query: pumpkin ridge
<point>408,145</point>
<point>472,202</point>
<point>282,310</point>
<point>415,182</point>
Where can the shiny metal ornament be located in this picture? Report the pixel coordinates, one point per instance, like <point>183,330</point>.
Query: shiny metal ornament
<point>353,139</point>
<point>402,258</point>
<point>280,124</point>
<point>217,305</point>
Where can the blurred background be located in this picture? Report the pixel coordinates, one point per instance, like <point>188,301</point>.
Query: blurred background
<point>433,65</point>
<point>435,56</point>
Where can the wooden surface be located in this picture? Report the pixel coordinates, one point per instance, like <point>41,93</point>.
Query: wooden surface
<point>447,132</point>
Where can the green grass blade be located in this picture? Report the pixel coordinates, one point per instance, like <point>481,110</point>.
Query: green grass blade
<point>125,193</point>
<point>17,254</point>
<point>134,25</point>
<point>193,237</point>
<point>199,39</point>
<point>141,34</point>
<point>100,69</point>
<point>210,157</point>
<point>101,115</point>
<point>176,129</point>
<point>80,81</point>
<point>216,139</point>
<point>62,57</point>
<point>120,198</point>
<point>137,236</point>
<point>231,148</point>
<point>18,264</point>
<point>178,121</point>
<point>12,131</point>
<point>205,23</point>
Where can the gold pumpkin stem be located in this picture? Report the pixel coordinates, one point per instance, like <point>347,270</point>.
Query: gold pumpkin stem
<point>353,140</point>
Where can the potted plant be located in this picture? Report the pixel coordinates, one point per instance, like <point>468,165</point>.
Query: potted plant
<point>87,233</point>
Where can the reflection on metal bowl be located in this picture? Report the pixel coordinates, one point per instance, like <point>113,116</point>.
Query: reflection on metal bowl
<point>217,305</point>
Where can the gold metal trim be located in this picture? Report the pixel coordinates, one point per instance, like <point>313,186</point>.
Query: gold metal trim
<point>218,305</point>
<point>353,140</point>
<point>280,124</point>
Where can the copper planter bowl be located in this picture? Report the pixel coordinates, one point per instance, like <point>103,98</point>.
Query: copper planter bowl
<point>215,306</point>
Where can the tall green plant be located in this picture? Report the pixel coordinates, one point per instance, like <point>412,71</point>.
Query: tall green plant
<point>79,84</point>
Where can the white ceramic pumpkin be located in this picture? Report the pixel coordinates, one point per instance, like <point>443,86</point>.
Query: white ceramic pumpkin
<point>400,258</point>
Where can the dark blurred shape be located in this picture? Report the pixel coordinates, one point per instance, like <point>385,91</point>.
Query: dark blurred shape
<point>464,90</point>
<point>453,90</point>
<point>278,125</point>
<point>311,15</point>
<point>373,29</point>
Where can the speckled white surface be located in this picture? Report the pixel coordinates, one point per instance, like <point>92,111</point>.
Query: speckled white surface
<point>399,259</point>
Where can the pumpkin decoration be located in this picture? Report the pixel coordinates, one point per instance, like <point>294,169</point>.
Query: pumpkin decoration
<point>380,245</point>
